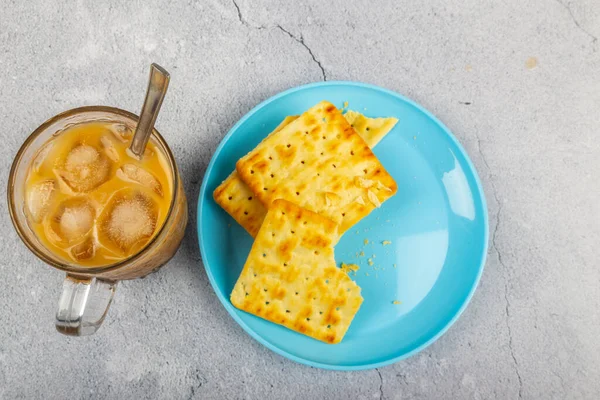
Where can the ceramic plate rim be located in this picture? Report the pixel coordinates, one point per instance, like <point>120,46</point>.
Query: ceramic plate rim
<point>233,312</point>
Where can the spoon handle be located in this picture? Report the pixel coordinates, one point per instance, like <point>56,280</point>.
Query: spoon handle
<point>157,88</point>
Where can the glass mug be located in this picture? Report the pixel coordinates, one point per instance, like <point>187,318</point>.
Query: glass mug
<point>88,290</point>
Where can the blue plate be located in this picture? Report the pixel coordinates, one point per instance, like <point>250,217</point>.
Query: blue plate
<point>437,225</point>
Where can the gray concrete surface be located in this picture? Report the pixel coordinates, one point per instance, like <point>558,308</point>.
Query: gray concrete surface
<point>532,330</point>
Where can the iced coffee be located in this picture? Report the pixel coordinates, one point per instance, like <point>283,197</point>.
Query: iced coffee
<point>93,203</point>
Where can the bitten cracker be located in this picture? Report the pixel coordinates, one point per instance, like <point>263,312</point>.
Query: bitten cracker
<point>290,276</point>
<point>320,163</point>
<point>236,198</point>
<point>372,130</point>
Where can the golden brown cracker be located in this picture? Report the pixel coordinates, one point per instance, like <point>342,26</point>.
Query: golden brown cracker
<point>235,197</point>
<point>290,276</point>
<point>320,163</point>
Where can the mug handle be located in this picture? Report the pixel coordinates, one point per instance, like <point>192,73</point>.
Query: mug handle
<point>83,304</point>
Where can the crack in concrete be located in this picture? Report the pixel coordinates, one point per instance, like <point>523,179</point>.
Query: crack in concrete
<point>504,267</point>
<point>243,21</point>
<point>300,40</point>
<point>486,163</point>
<point>380,384</point>
<point>567,7</point>
<point>507,302</point>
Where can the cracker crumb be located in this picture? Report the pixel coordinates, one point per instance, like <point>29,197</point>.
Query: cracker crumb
<point>366,273</point>
<point>345,104</point>
<point>361,182</point>
<point>373,199</point>
<point>386,242</point>
<point>349,268</point>
<point>396,302</point>
<point>395,266</point>
<point>366,241</point>
<point>374,256</point>
<point>531,63</point>
<point>370,261</point>
<point>382,186</point>
<point>362,253</point>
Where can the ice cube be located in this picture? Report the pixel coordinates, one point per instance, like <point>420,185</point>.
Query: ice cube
<point>109,148</point>
<point>73,219</point>
<point>135,174</point>
<point>85,168</point>
<point>84,250</point>
<point>121,132</point>
<point>39,199</point>
<point>130,219</point>
<point>149,152</point>
<point>41,155</point>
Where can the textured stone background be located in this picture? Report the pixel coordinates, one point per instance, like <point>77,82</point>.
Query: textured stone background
<point>532,328</point>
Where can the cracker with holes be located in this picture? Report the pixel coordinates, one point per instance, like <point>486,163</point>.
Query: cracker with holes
<point>236,198</point>
<point>290,276</point>
<point>320,163</point>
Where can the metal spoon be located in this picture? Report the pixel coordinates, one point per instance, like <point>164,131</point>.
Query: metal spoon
<point>157,88</point>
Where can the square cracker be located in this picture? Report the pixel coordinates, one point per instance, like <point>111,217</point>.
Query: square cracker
<point>320,163</point>
<point>290,276</point>
<point>235,197</point>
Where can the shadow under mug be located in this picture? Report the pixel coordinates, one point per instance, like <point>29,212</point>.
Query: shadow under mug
<point>88,291</point>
